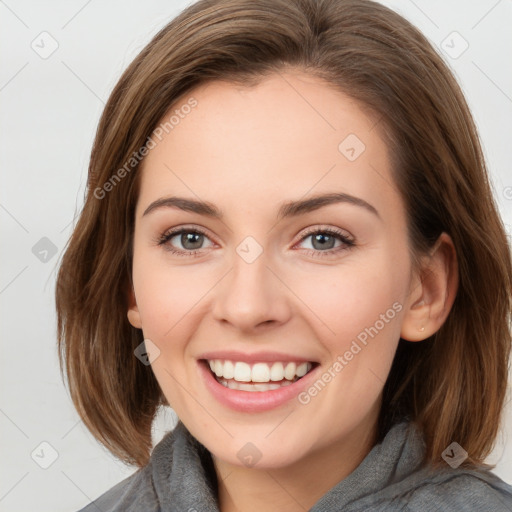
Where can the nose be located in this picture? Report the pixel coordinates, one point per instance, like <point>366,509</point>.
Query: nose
<point>252,296</point>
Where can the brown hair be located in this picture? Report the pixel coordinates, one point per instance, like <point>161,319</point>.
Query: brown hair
<point>452,385</point>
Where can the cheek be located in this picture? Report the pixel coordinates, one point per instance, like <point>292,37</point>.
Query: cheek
<point>361,306</point>
<point>348,299</point>
<point>166,294</point>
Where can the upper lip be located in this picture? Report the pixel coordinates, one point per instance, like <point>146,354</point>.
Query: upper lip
<point>255,357</point>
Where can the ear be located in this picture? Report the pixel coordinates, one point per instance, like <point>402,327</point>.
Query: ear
<point>432,292</point>
<point>133,310</point>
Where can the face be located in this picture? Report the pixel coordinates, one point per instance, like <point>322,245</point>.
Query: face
<point>299,262</point>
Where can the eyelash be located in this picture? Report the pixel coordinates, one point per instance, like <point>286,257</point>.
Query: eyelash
<point>348,242</point>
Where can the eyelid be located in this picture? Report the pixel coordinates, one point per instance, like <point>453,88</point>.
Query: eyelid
<point>347,240</point>
<point>324,228</point>
<point>172,232</point>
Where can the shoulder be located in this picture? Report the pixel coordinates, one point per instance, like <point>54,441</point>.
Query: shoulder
<point>138,491</point>
<point>471,490</point>
<point>422,488</point>
<point>133,493</point>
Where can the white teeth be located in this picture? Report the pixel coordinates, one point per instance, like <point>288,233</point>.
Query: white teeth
<point>232,384</point>
<point>240,371</point>
<point>229,370</point>
<point>240,386</point>
<point>277,372</point>
<point>219,368</point>
<point>260,372</point>
<point>302,369</point>
<point>289,371</point>
<point>262,387</point>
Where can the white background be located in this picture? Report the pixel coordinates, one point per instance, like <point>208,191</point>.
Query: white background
<point>49,112</point>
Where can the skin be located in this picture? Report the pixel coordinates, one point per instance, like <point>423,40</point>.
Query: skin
<point>247,150</point>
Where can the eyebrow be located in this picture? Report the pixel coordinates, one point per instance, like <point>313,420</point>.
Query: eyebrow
<point>287,209</point>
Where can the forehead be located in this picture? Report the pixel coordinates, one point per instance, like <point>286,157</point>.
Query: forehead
<point>291,134</point>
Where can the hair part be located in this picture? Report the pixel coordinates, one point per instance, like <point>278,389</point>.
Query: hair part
<point>452,385</point>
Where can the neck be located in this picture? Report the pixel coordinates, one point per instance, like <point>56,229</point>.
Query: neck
<point>298,486</point>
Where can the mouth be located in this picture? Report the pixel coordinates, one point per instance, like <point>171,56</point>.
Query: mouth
<point>256,382</point>
<point>258,377</point>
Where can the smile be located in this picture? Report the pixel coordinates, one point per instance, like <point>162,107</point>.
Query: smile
<point>255,383</point>
<point>257,377</point>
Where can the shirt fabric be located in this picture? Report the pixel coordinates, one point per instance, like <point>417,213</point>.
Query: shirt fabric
<point>180,477</point>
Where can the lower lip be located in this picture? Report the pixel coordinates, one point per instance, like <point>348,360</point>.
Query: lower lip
<point>252,401</point>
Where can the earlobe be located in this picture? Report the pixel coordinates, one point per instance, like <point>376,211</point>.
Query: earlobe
<point>133,311</point>
<point>432,294</point>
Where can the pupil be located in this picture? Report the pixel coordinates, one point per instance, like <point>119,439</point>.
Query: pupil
<point>322,238</point>
<point>193,238</point>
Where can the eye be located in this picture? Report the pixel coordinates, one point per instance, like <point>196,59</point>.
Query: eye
<point>327,241</point>
<point>190,240</point>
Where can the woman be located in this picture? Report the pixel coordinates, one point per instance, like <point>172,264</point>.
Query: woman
<point>289,237</point>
